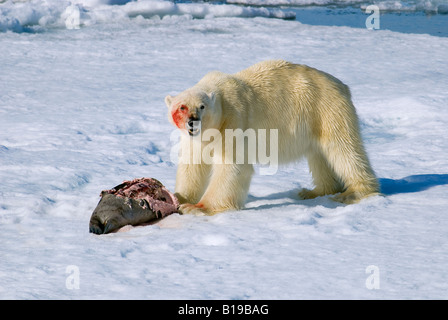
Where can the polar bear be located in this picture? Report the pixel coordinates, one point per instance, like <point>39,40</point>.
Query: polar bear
<point>314,117</point>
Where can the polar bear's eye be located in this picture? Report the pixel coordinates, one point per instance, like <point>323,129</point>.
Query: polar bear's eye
<point>202,107</point>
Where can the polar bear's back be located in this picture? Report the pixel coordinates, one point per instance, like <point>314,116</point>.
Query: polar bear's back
<point>273,75</point>
<point>291,92</point>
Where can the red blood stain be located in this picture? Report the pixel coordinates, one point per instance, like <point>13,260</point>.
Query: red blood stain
<point>179,115</point>
<point>199,205</point>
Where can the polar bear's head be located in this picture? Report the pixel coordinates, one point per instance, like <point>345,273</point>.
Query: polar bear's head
<point>194,110</point>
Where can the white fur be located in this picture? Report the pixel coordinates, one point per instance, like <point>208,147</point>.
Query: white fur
<point>315,118</point>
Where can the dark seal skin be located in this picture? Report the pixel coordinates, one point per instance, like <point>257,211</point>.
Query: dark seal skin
<point>133,202</point>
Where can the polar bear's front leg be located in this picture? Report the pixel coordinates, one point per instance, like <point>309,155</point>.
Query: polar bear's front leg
<point>227,190</point>
<point>191,180</point>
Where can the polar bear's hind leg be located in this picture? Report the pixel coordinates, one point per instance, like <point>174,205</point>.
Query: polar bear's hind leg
<point>351,165</point>
<point>325,180</point>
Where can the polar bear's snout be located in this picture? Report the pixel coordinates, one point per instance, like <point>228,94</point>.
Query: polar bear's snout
<point>194,125</point>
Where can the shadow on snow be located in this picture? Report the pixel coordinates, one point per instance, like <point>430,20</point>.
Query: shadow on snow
<point>410,184</point>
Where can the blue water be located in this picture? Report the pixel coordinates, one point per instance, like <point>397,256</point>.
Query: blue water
<point>337,14</point>
<point>412,22</point>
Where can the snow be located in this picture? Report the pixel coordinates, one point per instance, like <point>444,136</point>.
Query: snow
<point>81,110</point>
<point>22,16</point>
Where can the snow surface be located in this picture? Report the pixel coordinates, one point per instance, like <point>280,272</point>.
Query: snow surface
<point>81,110</point>
<point>22,16</point>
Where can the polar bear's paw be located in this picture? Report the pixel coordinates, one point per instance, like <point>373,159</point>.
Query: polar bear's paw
<point>351,197</point>
<point>347,197</point>
<point>194,209</point>
<point>306,194</point>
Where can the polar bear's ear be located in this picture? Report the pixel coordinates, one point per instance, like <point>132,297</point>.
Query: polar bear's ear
<point>212,97</point>
<point>168,100</point>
